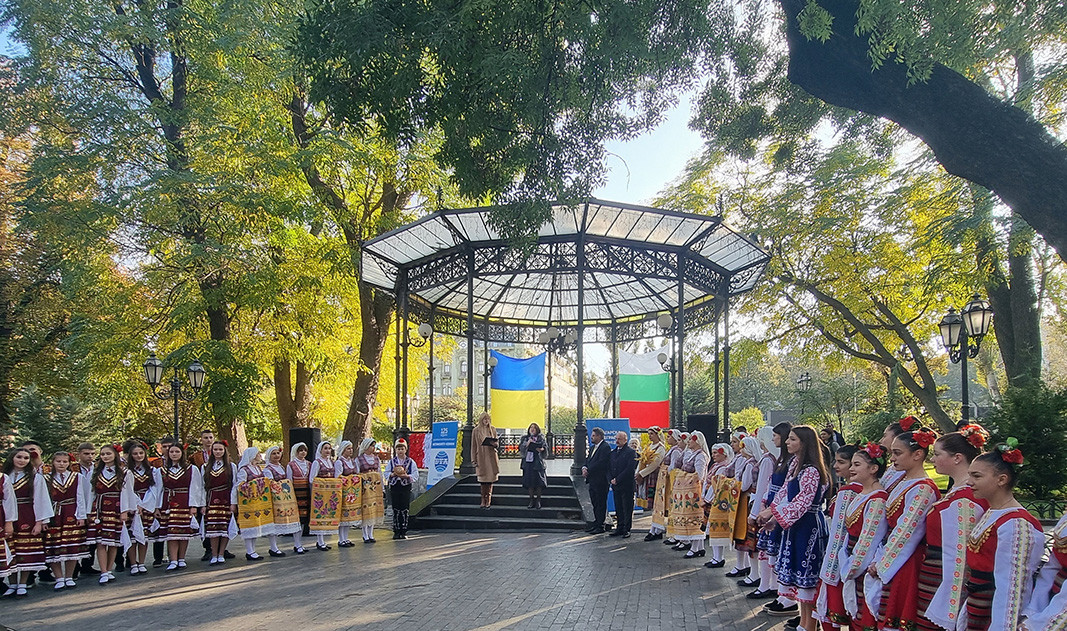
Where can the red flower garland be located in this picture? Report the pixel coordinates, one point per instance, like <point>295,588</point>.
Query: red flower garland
<point>1013,456</point>
<point>908,422</point>
<point>924,438</point>
<point>975,434</point>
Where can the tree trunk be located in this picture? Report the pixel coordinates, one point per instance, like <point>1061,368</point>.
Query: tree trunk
<point>376,310</point>
<point>972,133</point>
<point>293,399</point>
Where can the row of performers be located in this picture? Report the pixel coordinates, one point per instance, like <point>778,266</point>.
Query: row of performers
<point>124,503</point>
<point>888,550</point>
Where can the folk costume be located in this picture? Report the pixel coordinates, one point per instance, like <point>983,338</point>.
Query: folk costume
<point>744,523</point>
<point>686,512</point>
<point>767,485</point>
<point>255,510</point>
<point>400,492</point>
<point>325,498</point>
<point>648,467</point>
<point>373,495</point>
<point>1003,552</point>
<point>147,482</point>
<point>661,503</point>
<point>347,470</point>
<point>1047,609</point>
<point>796,508</point>
<point>829,601</point>
<point>65,540</point>
<point>299,473</point>
<point>901,554</point>
<point>866,526</point>
<point>26,503</point>
<point>180,497</point>
<point>721,495</point>
<point>944,565</point>
<point>6,562</point>
<point>220,495</point>
<point>284,508</point>
<point>110,496</point>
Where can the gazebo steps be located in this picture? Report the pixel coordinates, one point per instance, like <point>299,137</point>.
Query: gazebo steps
<point>458,507</point>
<point>489,522</point>
<point>467,510</point>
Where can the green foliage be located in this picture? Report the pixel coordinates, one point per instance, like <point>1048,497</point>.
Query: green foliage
<point>870,427</point>
<point>1036,415</point>
<point>750,418</point>
<point>59,424</point>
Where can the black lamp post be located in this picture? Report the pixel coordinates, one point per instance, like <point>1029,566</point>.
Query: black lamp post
<point>957,330</point>
<point>490,365</point>
<point>803,386</point>
<point>665,322</point>
<point>555,341</point>
<point>401,429</point>
<point>153,375</point>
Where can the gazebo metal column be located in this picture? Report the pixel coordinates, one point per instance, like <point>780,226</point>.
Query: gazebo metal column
<point>679,356</point>
<point>614,373</point>
<point>429,370</point>
<point>548,423</point>
<point>406,344</point>
<point>581,433</point>
<point>396,366</point>
<point>467,467</point>
<point>726,364</point>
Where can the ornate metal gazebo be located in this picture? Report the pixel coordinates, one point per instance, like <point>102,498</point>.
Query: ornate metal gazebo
<point>610,271</point>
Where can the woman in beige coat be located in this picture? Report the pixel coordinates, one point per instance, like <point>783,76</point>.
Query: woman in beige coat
<point>484,454</point>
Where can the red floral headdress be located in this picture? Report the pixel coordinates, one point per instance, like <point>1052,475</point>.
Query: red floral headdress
<point>875,452</point>
<point>975,434</point>
<point>117,447</point>
<point>908,422</point>
<point>684,436</point>
<point>1010,453</point>
<point>924,437</point>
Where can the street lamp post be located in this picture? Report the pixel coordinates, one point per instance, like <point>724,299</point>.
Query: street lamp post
<point>555,341</point>
<point>665,323</point>
<point>425,331</point>
<point>803,386</point>
<point>956,332</point>
<point>153,376</point>
<point>490,366</point>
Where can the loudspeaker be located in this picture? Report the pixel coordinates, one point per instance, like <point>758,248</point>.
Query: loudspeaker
<point>708,424</point>
<point>310,436</point>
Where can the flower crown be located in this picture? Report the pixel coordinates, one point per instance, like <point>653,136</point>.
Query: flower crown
<point>117,447</point>
<point>908,422</point>
<point>924,437</point>
<point>875,452</point>
<point>1010,453</point>
<point>975,434</point>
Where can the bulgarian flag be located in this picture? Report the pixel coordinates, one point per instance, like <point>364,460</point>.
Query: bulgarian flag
<point>517,391</point>
<point>644,390</point>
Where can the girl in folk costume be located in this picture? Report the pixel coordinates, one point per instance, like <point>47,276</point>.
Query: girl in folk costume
<point>829,602</point>
<point>662,490</point>
<point>402,474</point>
<point>146,481</point>
<point>906,424</point>
<point>220,500</point>
<point>866,525</point>
<point>299,472</point>
<point>325,496</point>
<point>111,501</point>
<point>5,553</point>
<point>648,470</point>
<point>677,459</point>
<point>896,565</point>
<point>1047,610</point>
<point>27,509</point>
<point>796,509</point>
<point>721,457</point>
<point>347,467</point>
<point>1004,548</point>
<point>745,525</point>
<point>370,472</point>
<point>686,511</point>
<point>284,507</point>
<point>948,524</point>
<point>764,472</point>
<point>253,501</point>
<point>181,495</point>
<point>768,541</point>
<point>65,539</point>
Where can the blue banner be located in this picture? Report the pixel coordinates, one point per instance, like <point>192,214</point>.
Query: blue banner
<point>440,452</point>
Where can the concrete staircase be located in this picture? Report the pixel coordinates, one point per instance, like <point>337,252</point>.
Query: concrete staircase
<point>457,507</point>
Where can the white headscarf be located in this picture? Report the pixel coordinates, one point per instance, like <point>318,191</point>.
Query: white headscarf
<point>366,444</point>
<point>752,446</point>
<point>765,435</point>
<point>341,448</point>
<point>318,450</point>
<point>701,442</point>
<point>292,450</point>
<point>726,449</point>
<point>270,451</point>
<point>248,456</point>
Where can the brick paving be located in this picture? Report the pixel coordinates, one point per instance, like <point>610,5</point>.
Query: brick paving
<point>437,581</point>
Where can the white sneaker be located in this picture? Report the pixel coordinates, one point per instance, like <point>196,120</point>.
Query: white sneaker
<point>70,582</point>
<point>60,584</point>
<point>181,563</point>
<point>10,591</point>
<point>173,566</point>
<point>103,578</point>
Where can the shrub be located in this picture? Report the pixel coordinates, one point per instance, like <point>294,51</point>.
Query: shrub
<point>1037,416</point>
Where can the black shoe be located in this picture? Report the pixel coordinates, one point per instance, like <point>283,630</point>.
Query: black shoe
<point>670,542</point>
<point>625,535</point>
<point>747,582</point>
<point>120,564</point>
<point>617,533</point>
<point>297,550</point>
<point>323,548</point>
<point>776,608</point>
<point>758,595</point>
<point>396,535</point>
<point>372,540</point>
<point>226,554</point>
<point>249,557</point>
<point>207,556</point>
<point>793,623</point>
<point>156,563</point>
<point>734,573</point>
<point>597,531</point>
<point>691,554</point>
<point>715,564</point>
<point>537,505</point>
<point>277,554</point>
<point>653,537</point>
<point>682,545</point>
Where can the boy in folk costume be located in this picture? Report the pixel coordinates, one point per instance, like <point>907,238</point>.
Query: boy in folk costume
<point>347,469</point>
<point>325,496</point>
<point>402,474</point>
<point>111,500</point>
<point>283,501</point>
<point>180,498</point>
<point>220,501</point>
<point>372,498</point>
<point>299,473</point>
<point>65,539</point>
<point>27,508</point>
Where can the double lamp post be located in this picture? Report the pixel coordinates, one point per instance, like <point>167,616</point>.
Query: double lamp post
<point>176,390</point>
<point>961,334</point>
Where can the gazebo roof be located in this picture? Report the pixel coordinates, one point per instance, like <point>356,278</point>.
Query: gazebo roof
<point>633,260</point>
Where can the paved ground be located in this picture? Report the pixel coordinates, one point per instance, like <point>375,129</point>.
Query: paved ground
<point>435,581</point>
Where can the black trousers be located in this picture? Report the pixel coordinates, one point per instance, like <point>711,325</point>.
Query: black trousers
<point>624,508</point>
<point>400,496</point>
<point>598,495</point>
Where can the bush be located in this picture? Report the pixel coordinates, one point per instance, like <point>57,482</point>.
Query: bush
<point>870,427</point>
<point>750,418</point>
<point>1036,415</point>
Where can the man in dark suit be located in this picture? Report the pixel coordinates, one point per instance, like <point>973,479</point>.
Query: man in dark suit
<point>597,472</point>
<point>623,467</point>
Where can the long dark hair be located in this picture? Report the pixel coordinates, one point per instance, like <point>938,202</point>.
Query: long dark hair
<point>9,466</point>
<point>955,443</point>
<point>130,464</point>
<point>211,460</point>
<point>995,459</point>
<point>182,462</point>
<point>811,451</point>
<point>120,469</point>
<point>782,462</point>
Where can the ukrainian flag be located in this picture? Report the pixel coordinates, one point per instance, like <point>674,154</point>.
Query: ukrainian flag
<point>517,391</point>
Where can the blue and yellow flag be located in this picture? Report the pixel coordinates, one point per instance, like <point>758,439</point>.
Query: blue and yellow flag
<point>517,391</point>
